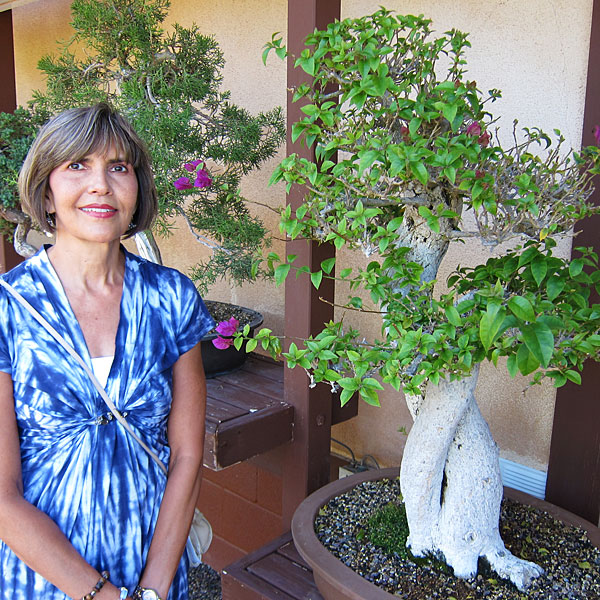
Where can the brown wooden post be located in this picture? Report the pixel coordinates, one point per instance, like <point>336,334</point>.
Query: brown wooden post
<point>574,466</point>
<point>306,466</point>
<point>8,102</point>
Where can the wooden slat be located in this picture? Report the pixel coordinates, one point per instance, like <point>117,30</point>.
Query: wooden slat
<point>252,380</point>
<point>289,551</point>
<point>245,392</point>
<point>219,411</point>
<point>268,368</point>
<point>284,574</point>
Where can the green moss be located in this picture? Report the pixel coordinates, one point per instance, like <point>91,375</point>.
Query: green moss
<point>388,529</point>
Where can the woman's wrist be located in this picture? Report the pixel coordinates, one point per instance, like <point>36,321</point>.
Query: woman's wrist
<point>113,592</point>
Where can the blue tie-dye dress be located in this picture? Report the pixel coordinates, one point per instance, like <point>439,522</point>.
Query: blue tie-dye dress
<point>95,481</point>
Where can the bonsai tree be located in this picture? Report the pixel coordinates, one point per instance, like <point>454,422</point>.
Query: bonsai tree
<point>405,147</point>
<point>168,84</point>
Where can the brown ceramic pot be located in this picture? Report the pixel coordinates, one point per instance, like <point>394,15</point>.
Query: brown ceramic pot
<point>335,580</point>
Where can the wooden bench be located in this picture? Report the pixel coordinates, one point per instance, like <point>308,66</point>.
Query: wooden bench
<point>245,413</point>
<point>274,572</point>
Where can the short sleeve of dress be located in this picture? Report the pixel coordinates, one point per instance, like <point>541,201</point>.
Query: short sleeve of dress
<point>194,319</point>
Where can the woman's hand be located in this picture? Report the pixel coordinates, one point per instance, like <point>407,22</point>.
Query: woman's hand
<point>186,439</point>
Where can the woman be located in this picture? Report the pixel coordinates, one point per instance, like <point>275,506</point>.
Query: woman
<point>83,507</point>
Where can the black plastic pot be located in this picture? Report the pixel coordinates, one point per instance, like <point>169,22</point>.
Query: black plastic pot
<point>218,362</point>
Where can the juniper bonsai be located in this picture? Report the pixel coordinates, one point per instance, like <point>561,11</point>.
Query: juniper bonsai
<point>168,84</point>
<point>417,150</point>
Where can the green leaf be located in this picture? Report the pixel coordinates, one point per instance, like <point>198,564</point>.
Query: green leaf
<point>345,396</point>
<point>555,286</point>
<point>575,267</point>
<point>511,365</point>
<point>540,341</point>
<point>539,268</point>
<point>367,158</point>
<point>328,264</point>
<point>348,383</point>
<point>453,316</point>
<point>449,111</point>
<point>490,324</point>
<point>281,272</point>
<point>251,345</point>
<point>316,278</point>
<point>369,395</point>
<point>526,362</point>
<point>573,376</point>
<point>521,308</point>
<point>419,170</point>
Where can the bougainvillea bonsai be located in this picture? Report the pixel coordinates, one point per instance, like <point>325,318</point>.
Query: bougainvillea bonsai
<point>168,84</point>
<point>406,148</point>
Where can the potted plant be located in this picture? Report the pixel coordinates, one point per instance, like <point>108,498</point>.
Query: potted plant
<point>168,84</point>
<point>406,147</point>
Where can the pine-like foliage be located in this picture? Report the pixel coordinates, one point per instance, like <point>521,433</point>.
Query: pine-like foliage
<point>168,84</point>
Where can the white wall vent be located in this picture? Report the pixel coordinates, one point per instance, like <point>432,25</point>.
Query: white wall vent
<point>523,478</point>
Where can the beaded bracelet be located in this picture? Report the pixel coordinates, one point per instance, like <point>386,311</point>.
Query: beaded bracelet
<point>103,579</point>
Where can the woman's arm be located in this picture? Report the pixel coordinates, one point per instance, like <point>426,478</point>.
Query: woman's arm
<point>29,532</point>
<point>186,439</point>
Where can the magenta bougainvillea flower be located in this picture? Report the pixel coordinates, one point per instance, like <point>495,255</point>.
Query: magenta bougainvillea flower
<point>191,166</point>
<point>225,328</point>
<point>596,133</point>
<point>183,183</point>
<point>203,179</point>
<point>222,343</point>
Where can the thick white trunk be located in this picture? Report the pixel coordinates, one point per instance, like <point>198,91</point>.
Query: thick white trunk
<point>450,480</point>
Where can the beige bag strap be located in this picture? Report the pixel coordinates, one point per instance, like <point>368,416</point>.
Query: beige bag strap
<point>61,340</point>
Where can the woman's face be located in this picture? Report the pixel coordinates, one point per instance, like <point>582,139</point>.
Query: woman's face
<point>94,198</point>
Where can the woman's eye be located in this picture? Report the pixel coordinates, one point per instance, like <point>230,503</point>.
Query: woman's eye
<point>75,166</point>
<point>120,168</point>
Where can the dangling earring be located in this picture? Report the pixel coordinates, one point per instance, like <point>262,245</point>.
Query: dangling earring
<point>131,226</point>
<point>51,219</point>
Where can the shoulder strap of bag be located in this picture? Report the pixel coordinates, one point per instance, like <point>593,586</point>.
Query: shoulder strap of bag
<point>69,348</point>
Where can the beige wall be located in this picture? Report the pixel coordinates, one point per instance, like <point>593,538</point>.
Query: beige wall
<point>534,51</point>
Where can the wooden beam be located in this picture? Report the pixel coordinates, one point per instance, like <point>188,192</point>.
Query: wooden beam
<point>8,102</point>
<point>574,465</point>
<point>306,466</point>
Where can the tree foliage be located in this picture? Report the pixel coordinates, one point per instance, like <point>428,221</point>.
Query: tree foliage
<point>168,84</point>
<point>405,146</point>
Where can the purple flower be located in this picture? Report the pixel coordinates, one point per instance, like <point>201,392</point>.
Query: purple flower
<point>183,183</point>
<point>191,166</point>
<point>227,327</point>
<point>203,179</point>
<point>222,343</point>
<point>596,133</point>
<point>474,129</point>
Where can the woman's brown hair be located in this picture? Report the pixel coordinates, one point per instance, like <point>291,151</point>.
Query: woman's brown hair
<point>73,135</point>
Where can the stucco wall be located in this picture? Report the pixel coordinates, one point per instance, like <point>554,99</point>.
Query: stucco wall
<point>534,51</point>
